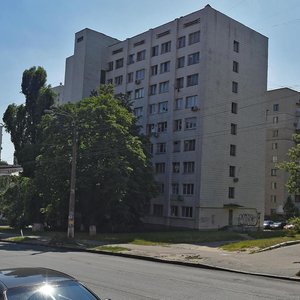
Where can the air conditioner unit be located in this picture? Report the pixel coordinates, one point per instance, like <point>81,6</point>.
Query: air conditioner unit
<point>194,108</point>
<point>235,179</point>
<point>137,81</point>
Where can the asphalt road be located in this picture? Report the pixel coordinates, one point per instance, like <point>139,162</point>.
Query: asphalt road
<point>123,278</point>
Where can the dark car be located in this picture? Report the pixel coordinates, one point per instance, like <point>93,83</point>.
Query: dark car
<point>268,224</point>
<point>41,284</point>
<point>278,225</point>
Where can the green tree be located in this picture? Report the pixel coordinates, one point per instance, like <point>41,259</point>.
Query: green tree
<point>289,208</point>
<point>22,121</point>
<point>114,173</point>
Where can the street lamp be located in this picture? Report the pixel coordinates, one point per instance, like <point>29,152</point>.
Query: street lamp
<point>71,216</point>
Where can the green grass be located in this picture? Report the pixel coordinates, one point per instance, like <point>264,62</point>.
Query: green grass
<point>20,239</point>
<point>114,249</point>
<point>258,243</point>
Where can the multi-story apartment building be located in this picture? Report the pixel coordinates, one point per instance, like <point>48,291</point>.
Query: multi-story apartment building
<point>198,85</point>
<point>282,121</point>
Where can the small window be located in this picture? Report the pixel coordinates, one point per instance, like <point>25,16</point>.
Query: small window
<point>180,62</point>
<point>164,87</point>
<point>130,59</point>
<point>162,126</point>
<point>176,146</point>
<point>139,93</point>
<point>152,89</point>
<point>174,211</point>
<point>80,39</point>
<point>154,70</point>
<point>273,185</point>
<point>118,80</point>
<point>165,67</point>
<point>177,125</point>
<point>188,167</point>
<point>231,171</point>
<point>179,103</point>
<point>188,189</point>
<point>165,47</point>
<point>158,208</point>
<point>234,87</point>
<point>233,129</point>
<point>232,150</point>
<point>189,145</point>
<point>161,148</point>
<point>110,66</point>
<point>231,192</point>
<point>190,123</point>
<point>274,146</point>
<point>152,109</point>
<point>235,67</point>
<point>163,107</point>
<point>160,168</point>
<point>275,107</point>
<point>175,188</point>
<point>274,158</point>
<point>140,74</point>
<point>181,42</point>
<point>275,120</point>
<point>234,107</point>
<point>141,55</point>
<point>194,37</point>
<point>130,77</point>
<point>193,58</point>
<point>138,111</point>
<point>119,63</point>
<point>275,133</point>
<point>187,212</point>
<point>191,101</point>
<point>273,172</point>
<point>236,46</point>
<point>154,51</point>
<point>192,80</point>
<point>179,83</point>
<point>176,167</point>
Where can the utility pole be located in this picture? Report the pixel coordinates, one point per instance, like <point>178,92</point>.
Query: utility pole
<point>71,218</point>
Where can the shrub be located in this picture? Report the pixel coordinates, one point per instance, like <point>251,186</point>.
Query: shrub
<point>296,222</point>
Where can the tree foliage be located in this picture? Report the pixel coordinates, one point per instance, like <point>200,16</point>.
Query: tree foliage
<point>114,173</point>
<point>22,121</point>
<point>289,208</point>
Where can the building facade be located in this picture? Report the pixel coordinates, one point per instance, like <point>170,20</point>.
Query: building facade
<point>198,85</point>
<point>282,121</point>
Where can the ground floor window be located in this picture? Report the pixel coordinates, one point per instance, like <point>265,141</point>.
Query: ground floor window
<point>187,211</point>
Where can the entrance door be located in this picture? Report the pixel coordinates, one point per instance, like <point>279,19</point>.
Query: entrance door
<point>230,217</point>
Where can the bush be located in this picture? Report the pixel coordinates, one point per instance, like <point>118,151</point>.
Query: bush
<point>296,222</point>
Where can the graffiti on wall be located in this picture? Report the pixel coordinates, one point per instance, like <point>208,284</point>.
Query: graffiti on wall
<point>248,219</point>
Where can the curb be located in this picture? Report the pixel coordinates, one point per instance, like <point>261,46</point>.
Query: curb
<point>158,260</point>
<point>290,243</point>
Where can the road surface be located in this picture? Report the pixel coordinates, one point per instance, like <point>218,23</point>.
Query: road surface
<point>130,279</point>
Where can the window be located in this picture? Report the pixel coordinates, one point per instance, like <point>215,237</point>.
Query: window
<point>140,74</point>
<point>189,145</point>
<point>176,146</point>
<point>165,67</point>
<point>130,77</point>
<point>139,43</point>
<point>139,93</point>
<point>273,185</point>
<point>235,66</point>
<point>138,111</point>
<point>180,62</point>
<point>181,42</point>
<point>154,51</point>
<point>232,150</point>
<point>164,87</point>
<point>152,89</point>
<point>188,189</point>
<point>192,80</point>
<point>109,81</point>
<point>119,63</point>
<point>141,55</point>
<point>233,129</point>
<point>186,211</point>
<point>130,59</point>
<point>152,109</point>
<point>177,125</point>
<point>179,83</point>
<point>190,123</point>
<point>273,198</point>
<point>188,167</point>
<point>174,211</point>
<point>175,188</point>
<point>231,171</point>
<point>273,172</point>
<point>176,167</point>
<point>150,128</point>
<point>231,192</point>
<point>154,70</point>
<point>163,107</point>
<point>193,58</point>
<point>110,66</point>
<point>129,95</point>
<point>194,37</point>
<point>151,148</point>
<point>234,107</point>
<point>236,46</point>
<point>161,148</point>
<point>274,158</point>
<point>162,126</point>
<point>274,146</point>
<point>191,101</point>
<point>275,120</point>
<point>158,210</point>
<point>160,168</point>
<point>179,103</point>
<point>159,35</point>
<point>165,47</point>
<point>234,87</point>
<point>118,80</point>
<point>275,133</point>
<point>275,107</point>
<point>117,51</point>
<point>80,39</point>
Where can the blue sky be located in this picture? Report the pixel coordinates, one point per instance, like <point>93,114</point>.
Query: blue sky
<point>41,33</point>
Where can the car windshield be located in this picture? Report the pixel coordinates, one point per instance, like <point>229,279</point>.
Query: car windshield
<point>67,290</point>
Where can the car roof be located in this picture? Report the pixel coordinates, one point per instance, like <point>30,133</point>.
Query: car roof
<point>16,277</point>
